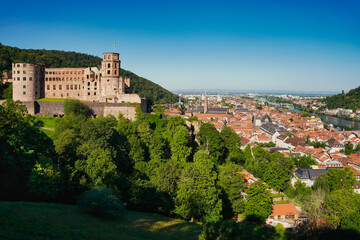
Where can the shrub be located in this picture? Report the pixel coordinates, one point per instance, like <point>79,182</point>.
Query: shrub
<point>76,107</point>
<point>102,202</point>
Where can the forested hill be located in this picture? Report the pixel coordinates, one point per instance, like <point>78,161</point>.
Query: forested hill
<point>153,92</point>
<point>350,100</point>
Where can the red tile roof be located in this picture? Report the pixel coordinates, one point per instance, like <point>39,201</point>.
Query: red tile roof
<point>284,209</point>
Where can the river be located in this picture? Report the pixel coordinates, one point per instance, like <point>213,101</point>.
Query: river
<point>338,122</point>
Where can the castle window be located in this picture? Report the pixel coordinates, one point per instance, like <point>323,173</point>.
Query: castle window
<point>60,87</point>
<point>67,87</point>
<point>70,72</point>
<point>24,78</point>
<point>30,78</point>
<point>67,94</point>
<point>89,93</point>
<point>53,94</point>
<point>18,65</point>
<point>94,93</point>
<point>108,71</point>
<point>88,83</point>
<point>18,71</point>
<point>108,65</point>
<point>115,72</point>
<point>18,78</point>
<point>54,87</point>
<point>24,65</point>
<point>62,95</point>
<point>14,72</point>
<point>48,87</point>
<point>24,93</point>
<point>71,87</point>
<point>24,86</point>
<point>87,76</point>
<point>24,72</point>
<point>78,94</point>
<point>71,78</point>
<point>95,84</point>
<point>75,87</point>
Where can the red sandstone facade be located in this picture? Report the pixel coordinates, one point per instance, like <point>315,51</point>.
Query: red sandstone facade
<point>94,84</point>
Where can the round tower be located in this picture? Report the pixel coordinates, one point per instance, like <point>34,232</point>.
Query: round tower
<point>27,79</point>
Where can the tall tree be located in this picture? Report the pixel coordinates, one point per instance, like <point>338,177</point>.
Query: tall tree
<point>232,184</point>
<point>232,144</point>
<point>198,197</point>
<point>179,144</point>
<point>258,202</point>
<point>210,140</point>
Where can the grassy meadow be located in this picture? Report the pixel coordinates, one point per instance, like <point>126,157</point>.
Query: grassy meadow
<point>26,220</point>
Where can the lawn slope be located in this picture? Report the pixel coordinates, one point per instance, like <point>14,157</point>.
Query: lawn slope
<point>25,220</point>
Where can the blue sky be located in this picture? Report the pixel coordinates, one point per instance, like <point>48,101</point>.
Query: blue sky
<point>264,45</point>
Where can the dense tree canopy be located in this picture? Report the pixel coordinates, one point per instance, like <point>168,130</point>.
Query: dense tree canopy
<point>158,164</point>
<point>350,100</point>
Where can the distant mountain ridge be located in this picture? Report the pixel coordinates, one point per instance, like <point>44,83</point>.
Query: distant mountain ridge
<point>153,92</point>
<point>349,100</point>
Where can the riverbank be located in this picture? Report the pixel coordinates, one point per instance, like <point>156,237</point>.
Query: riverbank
<point>341,122</point>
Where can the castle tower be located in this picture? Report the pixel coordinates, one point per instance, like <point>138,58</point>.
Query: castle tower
<point>206,107</point>
<point>110,65</point>
<point>28,81</point>
<point>111,83</point>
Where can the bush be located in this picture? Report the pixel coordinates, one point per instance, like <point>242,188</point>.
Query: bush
<point>102,202</point>
<point>72,106</point>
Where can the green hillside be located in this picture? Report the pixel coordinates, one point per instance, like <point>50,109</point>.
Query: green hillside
<point>25,220</point>
<point>153,92</point>
<point>350,100</point>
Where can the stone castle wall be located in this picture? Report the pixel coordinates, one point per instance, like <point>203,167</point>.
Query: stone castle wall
<point>99,109</point>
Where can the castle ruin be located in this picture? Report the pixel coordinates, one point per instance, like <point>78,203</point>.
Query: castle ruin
<point>102,84</point>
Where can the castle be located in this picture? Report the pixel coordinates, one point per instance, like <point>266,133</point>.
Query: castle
<point>102,84</point>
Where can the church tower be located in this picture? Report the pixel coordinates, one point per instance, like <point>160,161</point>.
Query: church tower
<point>206,107</point>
